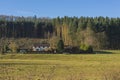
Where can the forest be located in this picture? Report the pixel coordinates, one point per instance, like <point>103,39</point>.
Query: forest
<point>99,32</point>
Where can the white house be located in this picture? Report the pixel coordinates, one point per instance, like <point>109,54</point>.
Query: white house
<point>40,47</point>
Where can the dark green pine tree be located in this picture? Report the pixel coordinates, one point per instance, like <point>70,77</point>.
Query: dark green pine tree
<point>60,46</point>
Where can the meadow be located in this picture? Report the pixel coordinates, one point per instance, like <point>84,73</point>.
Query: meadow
<point>102,65</point>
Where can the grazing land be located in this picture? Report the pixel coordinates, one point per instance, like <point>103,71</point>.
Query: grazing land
<point>103,65</point>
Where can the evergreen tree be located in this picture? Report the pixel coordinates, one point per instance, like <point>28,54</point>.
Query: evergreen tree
<point>60,46</point>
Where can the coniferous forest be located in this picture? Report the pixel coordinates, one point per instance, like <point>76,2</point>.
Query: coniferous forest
<point>99,32</point>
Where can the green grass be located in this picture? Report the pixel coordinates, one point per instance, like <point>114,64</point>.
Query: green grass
<point>104,65</point>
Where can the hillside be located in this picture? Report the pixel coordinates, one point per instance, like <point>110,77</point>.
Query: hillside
<point>100,32</point>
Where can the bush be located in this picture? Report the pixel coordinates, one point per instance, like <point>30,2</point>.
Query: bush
<point>14,47</point>
<point>6,48</point>
<point>86,48</point>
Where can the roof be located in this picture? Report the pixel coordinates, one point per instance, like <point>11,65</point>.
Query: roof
<point>41,44</point>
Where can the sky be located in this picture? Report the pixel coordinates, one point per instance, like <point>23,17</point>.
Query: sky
<point>55,8</point>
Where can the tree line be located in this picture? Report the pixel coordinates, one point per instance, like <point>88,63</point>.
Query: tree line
<point>99,32</point>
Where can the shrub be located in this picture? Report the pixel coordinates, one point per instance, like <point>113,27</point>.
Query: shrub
<point>75,50</point>
<point>6,48</point>
<point>86,48</point>
<point>14,47</point>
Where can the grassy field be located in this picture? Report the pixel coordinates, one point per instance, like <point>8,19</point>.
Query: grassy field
<point>104,65</point>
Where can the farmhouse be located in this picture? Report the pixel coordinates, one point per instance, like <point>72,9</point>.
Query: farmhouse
<point>41,47</point>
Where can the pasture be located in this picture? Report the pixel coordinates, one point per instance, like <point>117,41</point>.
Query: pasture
<point>104,65</point>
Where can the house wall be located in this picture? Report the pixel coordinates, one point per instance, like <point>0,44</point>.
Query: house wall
<point>39,48</point>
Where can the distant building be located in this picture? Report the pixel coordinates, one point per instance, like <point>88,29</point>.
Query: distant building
<point>23,49</point>
<point>41,47</point>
